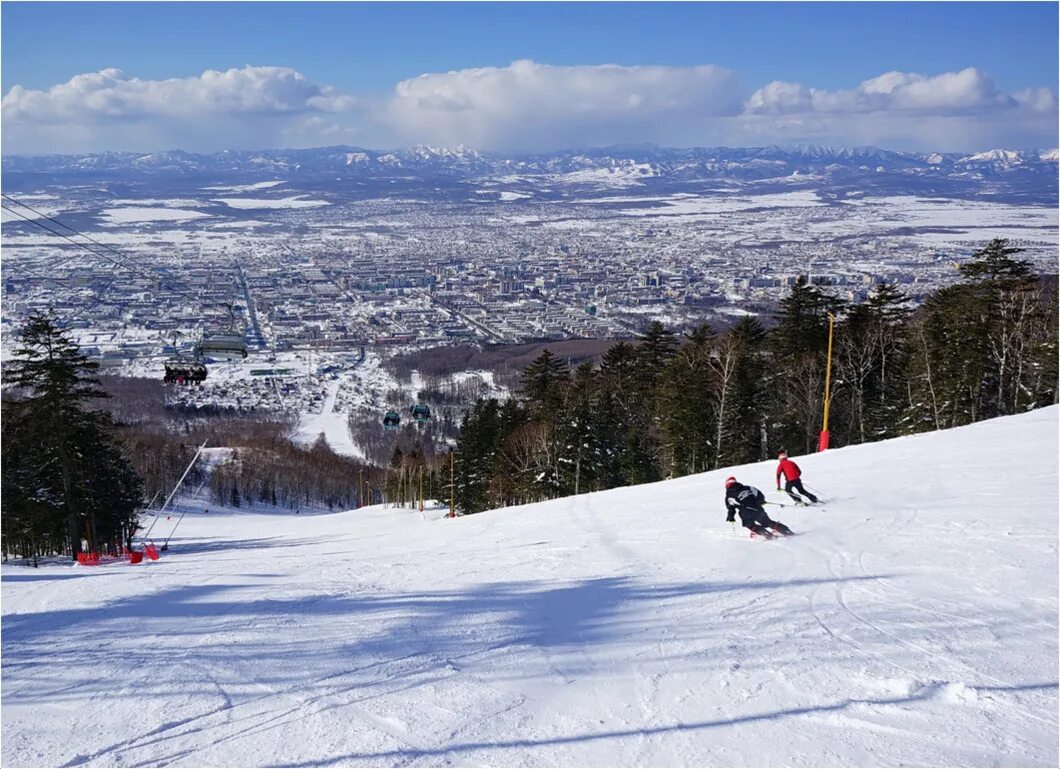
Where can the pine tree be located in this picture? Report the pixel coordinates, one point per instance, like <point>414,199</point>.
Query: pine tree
<point>543,383</point>
<point>656,349</point>
<point>993,264</point>
<point>685,407</point>
<point>799,346</point>
<point>975,348</point>
<point>1009,308</point>
<point>631,456</point>
<point>947,357</point>
<point>869,360</point>
<point>75,453</point>
<point>480,433</point>
<point>578,432</point>
<point>33,509</point>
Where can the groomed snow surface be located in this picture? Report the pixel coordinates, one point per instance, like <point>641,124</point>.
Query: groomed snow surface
<point>913,622</point>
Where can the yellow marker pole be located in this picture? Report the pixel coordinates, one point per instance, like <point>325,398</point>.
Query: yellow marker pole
<point>823,443</point>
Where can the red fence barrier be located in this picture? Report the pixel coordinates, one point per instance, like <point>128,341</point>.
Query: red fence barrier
<point>93,558</point>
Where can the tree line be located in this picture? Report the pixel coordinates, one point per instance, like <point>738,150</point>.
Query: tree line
<point>77,467</point>
<point>668,406</point>
<point>84,455</point>
<point>281,474</point>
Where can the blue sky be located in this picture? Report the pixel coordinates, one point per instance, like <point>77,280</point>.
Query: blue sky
<point>361,52</point>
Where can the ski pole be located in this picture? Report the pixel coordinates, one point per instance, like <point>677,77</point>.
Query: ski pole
<point>815,492</point>
<point>778,504</point>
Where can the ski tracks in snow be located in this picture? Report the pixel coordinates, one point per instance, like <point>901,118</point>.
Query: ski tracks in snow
<point>902,635</point>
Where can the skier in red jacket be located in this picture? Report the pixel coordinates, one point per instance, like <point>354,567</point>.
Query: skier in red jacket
<point>793,476</point>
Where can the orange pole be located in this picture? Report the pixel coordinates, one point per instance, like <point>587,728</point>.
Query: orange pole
<point>823,444</point>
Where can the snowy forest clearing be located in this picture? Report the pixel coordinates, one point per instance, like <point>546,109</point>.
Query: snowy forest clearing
<point>914,621</point>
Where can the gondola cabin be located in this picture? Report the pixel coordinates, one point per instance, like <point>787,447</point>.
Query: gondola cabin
<point>421,412</point>
<point>391,420</point>
<point>223,346</point>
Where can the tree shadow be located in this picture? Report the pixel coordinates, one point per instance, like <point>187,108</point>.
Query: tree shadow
<point>35,576</point>
<point>395,757</point>
<point>198,546</point>
<point>431,626</point>
<point>224,646</point>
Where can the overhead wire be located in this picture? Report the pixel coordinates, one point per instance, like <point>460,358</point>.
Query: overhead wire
<point>37,276</point>
<point>120,262</point>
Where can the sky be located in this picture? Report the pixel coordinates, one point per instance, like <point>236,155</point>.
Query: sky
<point>84,77</point>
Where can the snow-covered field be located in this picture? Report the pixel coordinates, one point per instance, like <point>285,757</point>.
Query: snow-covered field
<point>247,187</point>
<point>144,214</point>
<point>913,622</point>
<point>297,201</point>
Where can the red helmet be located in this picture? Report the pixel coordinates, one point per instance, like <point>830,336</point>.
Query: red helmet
<point>730,481</point>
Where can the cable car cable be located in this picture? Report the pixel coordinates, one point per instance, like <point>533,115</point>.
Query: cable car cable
<point>118,262</point>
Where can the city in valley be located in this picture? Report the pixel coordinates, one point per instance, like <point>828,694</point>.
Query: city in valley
<point>329,262</point>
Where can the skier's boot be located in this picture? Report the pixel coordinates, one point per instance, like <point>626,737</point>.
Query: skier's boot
<point>780,527</point>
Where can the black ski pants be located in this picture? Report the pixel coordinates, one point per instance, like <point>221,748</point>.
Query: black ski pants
<point>797,485</point>
<point>759,522</point>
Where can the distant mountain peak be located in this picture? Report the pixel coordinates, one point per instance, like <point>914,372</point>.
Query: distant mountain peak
<point>1033,172</point>
<point>995,156</point>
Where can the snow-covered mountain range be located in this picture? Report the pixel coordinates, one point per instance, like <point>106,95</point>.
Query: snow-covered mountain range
<point>912,621</point>
<point>696,163</point>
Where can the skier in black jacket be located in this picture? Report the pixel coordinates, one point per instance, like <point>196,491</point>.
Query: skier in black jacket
<point>747,501</point>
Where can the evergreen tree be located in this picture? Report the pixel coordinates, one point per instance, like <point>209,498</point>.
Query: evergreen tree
<point>480,433</point>
<point>799,346</point>
<point>656,349</point>
<point>611,421</point>
<point>543,383</point>
<point>685,406</point>
<point>802,321</point>
<point>75,457</point>
<point>1009,309</point>
<point>993,264</point>
<point>631,456</point>
<point>947,356</point>
<point>579,431</point>
<point>976,347</point>
<point>869,359</point>
<point>33,510</point>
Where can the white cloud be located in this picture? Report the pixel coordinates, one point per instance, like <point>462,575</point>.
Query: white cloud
<point>1038,100</point>
<point>949,93</point>
<point>524,106</point>
<point>254,107</point>
<point>531,105</point>
<point>780,98</point>
<point>110,95</point>
<point>951,111</point>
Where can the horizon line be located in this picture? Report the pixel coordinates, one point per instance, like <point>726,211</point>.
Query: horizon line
<point>620,147</point>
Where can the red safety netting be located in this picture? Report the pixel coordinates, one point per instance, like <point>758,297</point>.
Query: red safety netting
<point>93,558</point>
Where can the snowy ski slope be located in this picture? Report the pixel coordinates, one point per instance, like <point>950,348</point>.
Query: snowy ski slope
<point>914,622</point>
